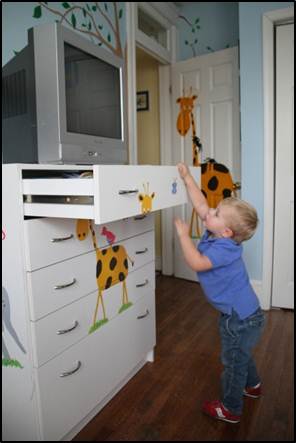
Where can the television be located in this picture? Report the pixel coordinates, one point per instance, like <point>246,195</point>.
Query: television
<point>63,101</point>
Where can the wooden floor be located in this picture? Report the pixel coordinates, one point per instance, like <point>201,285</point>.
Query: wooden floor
<point>163,401</point>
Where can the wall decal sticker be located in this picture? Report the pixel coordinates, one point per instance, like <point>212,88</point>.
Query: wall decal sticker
<point>109,235</point>
<point>111,269</point>
<point>7,325</point>
<point>146,199</point>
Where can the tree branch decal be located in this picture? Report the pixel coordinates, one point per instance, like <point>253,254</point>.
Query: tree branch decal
<point>83,17</point>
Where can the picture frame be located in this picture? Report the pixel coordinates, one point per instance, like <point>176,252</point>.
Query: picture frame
<point>142,101</point>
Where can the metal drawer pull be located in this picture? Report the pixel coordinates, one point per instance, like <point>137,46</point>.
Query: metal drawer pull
<point>142,284</point>
<point>142,252</point>
<point>128,191</point>
<point>56,240</point>
<point>65,374</point>
<point>64,331</point>
<point>66,285</point>
<point>140,217</point>
<point>143,316</point>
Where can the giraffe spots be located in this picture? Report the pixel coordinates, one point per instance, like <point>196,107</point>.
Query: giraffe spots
<point>220,168</point>
<point>125,263</point>
<point>108,282</point>
<point>115,248</point>
<point>113,263</point>
<point>104,251</point>
<point>226,193</point>
<point>213,183</point>
<point>121,276</point>
<point>99,268</point>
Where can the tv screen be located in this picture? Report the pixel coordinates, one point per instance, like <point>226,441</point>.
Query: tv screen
<point>92,107</point>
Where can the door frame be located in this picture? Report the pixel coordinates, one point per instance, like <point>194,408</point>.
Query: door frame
<point>170,13</point>
<point>269,21</point>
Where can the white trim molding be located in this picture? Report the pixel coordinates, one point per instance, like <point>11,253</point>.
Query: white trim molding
<point>269,20</point>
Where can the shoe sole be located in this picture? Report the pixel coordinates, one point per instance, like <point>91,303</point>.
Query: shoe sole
<point>222,419</point>
<point>251,395</point>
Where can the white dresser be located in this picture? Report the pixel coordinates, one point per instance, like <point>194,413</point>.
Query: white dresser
<point>78,288</point>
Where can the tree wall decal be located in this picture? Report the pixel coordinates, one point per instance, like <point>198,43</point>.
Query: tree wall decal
<point>100,24</point>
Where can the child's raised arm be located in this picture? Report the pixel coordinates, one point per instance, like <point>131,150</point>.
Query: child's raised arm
<point>197,198</point>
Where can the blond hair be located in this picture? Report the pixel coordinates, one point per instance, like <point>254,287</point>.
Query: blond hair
<point>243,219</point>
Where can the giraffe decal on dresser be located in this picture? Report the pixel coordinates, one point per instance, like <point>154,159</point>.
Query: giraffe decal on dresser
<point>146,199</point>
<point>111,269</point>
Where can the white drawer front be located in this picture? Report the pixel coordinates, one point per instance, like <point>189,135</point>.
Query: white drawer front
<point>51,240</point>
<point>118,190</point>
<point>158,186</point>
<point>55,286</point>
<point>105,359</point>
<point>61,329</point>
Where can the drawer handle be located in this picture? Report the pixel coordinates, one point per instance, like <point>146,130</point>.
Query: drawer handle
<point>64,331</point>
<point>142,284</point>
<point>143,316</point>
<point>128,191</point>
<point>56,240</point>
<point>140,217</point>
<point>66,285</point>
<point>142,252</point>
<point>65,374</point>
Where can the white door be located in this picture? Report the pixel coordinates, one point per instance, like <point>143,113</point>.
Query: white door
<point>283,265</point>
<point>215,79</point>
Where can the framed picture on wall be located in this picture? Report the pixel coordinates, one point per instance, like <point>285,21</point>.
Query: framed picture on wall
<point>142,101</point>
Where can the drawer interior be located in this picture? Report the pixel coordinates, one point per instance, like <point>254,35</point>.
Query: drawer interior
<point>60,193</point>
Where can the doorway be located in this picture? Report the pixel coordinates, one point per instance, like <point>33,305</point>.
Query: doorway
<point>148,126</point>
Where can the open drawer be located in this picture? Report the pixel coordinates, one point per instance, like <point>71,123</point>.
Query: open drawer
<point>104,193</point>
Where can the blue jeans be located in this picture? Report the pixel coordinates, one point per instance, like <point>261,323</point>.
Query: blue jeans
<point>238,337</point>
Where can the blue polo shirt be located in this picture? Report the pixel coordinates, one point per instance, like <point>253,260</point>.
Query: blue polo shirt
<point>227,285</point>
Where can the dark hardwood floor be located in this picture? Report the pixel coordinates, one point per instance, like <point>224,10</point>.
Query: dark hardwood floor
<point>163,401</point>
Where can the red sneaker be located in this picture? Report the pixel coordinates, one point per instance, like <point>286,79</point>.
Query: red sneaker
<point>254,392</point>
<point>216,409</point>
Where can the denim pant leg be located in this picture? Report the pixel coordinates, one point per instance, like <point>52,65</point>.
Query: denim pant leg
<point>253,378</point>
<point>238,337</point>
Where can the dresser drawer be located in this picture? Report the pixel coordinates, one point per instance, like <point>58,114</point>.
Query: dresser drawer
<point>104,360</point>
<point>55,286</point>
<point>114,192</point>
<point>61,329</point>
<point>51,240</point>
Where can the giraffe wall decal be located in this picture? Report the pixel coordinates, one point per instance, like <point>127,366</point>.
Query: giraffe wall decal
<point>111,269</point>
<point>184,122</point>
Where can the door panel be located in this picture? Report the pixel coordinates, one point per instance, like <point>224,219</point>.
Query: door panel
<point>214,78</point>
<point>283,266</point>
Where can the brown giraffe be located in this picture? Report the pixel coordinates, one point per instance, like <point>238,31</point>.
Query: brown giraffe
<point>184,121</point>
<point>111,269</point>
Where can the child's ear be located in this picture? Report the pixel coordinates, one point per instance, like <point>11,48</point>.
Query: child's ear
<point>228,233</point>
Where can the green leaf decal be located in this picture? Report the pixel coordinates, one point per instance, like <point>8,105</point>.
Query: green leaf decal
<point>37,12</point>
<point>66,5</point>
<point>73,20</point>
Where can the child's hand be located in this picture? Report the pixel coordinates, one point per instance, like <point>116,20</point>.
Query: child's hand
<point>181,227</point>
<point>183,170</point>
